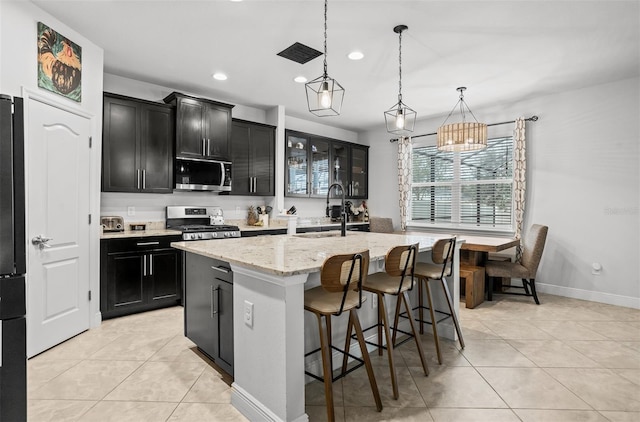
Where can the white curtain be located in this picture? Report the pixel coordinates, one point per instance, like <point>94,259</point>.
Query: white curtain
<point>519,178</point>
<point>404,178</point>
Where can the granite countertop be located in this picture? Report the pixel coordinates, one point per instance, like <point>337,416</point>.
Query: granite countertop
<point>286,255</point>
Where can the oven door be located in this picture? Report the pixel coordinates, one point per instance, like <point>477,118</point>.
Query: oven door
<point>205,175</point>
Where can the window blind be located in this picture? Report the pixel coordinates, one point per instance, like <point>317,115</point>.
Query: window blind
<point>470,189</point>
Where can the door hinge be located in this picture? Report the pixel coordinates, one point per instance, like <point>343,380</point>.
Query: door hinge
<point>90,141</point>
<point>89,218</point>
<point>89,295</point>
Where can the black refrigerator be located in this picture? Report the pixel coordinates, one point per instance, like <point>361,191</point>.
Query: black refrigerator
<point>13,341</point>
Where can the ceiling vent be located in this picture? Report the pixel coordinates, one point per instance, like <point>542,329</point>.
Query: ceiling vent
<point>299,53</point>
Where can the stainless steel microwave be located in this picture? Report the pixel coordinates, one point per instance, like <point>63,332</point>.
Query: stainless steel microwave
<point>206,175</point>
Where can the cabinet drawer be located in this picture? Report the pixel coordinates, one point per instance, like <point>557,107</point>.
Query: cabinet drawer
<point>139,243</point>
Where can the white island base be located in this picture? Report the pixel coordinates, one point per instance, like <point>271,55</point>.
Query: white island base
<point>269,276</point>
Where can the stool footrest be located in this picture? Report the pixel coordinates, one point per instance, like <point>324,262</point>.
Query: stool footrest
<point>341,374</point>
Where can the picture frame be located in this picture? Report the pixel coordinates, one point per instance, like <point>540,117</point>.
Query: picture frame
<point>59,64</point>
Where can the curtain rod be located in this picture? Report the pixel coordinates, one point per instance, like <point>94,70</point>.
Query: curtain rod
<point>530,119</point>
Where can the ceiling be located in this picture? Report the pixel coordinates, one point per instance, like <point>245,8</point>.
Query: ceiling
<point>503,51</point>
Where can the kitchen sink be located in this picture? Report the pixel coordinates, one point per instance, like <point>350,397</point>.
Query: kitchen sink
<point>316,235</point>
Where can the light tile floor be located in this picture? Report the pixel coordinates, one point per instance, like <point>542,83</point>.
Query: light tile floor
<point>565,360</point>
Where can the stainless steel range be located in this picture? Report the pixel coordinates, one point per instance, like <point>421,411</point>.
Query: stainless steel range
<point>200,223</point>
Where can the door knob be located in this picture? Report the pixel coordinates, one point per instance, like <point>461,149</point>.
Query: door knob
<point>41,241</point>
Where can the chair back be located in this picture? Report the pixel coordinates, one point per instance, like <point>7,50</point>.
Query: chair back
<point>533,247</point>
<point>442,254</point>
<point>341,273</point>
<point>380,225</point>
<point>400,262</point>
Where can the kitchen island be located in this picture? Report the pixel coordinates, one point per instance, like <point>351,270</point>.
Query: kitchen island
<point>270,274</point>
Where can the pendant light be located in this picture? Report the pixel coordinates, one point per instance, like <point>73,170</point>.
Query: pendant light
<point>400,118</point>
<point>324,94</point>
<point>465,136</point>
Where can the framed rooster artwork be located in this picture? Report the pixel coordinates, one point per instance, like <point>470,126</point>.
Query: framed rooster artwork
<point>59,63</point>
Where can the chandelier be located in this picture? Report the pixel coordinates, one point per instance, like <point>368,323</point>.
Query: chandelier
<point>400,118</point>
<point>464,136</point>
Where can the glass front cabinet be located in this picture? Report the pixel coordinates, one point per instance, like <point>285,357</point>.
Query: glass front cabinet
<point>313,163</point>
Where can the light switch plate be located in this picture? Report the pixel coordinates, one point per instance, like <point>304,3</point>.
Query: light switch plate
<point>248,314</point>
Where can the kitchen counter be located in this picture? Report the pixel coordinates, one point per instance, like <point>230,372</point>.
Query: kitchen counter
<point>270,274</point>
<point>139,233</point>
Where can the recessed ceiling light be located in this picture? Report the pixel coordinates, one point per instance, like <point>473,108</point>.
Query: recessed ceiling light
<point>356,55</point>
<point>219,76</point>
<point>235,1</point>
<point>300,79</point>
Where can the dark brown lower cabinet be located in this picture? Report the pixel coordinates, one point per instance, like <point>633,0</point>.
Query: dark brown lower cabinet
<point>208,308</point>
<point>139,274</point>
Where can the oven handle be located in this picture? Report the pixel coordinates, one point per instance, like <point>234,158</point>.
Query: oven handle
<point>147,243</point>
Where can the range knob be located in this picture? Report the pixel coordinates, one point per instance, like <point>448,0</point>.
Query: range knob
<point>199,235</point>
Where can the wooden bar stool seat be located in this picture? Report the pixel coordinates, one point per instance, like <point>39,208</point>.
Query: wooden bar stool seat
<point>442,257</point>
<point>341,278</point>
<point>396,280</point>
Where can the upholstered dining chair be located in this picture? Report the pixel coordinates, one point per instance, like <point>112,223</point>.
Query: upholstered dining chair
<point>380,225</point>
<point>532,248</point>
<point>340,290</point>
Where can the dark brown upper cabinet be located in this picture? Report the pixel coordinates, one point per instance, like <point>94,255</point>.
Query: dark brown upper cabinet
<point>137,145</point>
<point>203,127</point>
<point>253,157</point>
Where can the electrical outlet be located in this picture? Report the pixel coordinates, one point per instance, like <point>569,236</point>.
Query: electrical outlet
<point>596,268</point>
<point>248,314</point>
<point>131,210</point>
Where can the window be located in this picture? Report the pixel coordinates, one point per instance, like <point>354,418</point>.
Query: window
<point>465,190</point>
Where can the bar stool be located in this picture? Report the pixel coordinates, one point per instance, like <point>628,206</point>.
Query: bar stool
<point>396,280</point>
<point>341,278</point>
<point>442,257</point>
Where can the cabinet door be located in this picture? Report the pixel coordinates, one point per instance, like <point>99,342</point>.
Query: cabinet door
<point>223,311</point>
<point>190,132</point>
<point>164,271</point>
<point>297,166</point>
<point>217,122</point>
<point>263,160</point>
<point>125,280</point>
<point>359,173</point>
<point>120,147</point>
<point>200,326</point>
<point>242,182</point>
<point>320,169</point>
<point>340,168</point>
<point>157,149</point>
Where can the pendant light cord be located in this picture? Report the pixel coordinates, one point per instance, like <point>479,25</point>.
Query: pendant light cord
<point>325,39</point>
<point>400,67</point>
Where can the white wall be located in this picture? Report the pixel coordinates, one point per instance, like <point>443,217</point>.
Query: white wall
<point>18,71</point>
<point>583,182</point>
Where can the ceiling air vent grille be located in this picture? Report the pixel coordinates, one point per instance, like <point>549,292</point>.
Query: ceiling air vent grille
<point>299,53</point>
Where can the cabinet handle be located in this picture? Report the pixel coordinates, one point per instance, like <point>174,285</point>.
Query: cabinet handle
<point>214,301</point>
<point>150,265</point>
<point>144,178</point>
<point>203,146</point>
<point>208,146</point>
<point>222,269</point>
<point>138,178</point>
<point>147,243</point>
<point>144,265</point>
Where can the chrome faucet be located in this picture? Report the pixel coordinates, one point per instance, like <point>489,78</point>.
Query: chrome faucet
<point>343,211</point>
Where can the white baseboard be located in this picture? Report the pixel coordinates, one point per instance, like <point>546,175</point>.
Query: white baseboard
<point>608,298</point>
<point>253,410</point>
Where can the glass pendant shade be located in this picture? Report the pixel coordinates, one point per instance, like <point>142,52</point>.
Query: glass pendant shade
<point>400,119</point>
<point>464,136</point>
<point>324,96</point>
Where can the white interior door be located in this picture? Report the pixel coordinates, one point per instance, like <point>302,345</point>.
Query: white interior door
<point>58,156</point>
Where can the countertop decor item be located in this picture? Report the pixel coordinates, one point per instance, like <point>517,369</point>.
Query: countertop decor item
<point>324,94</point>
<point>400,118</point>
<point>252,217</point>
<point>464,136</point>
